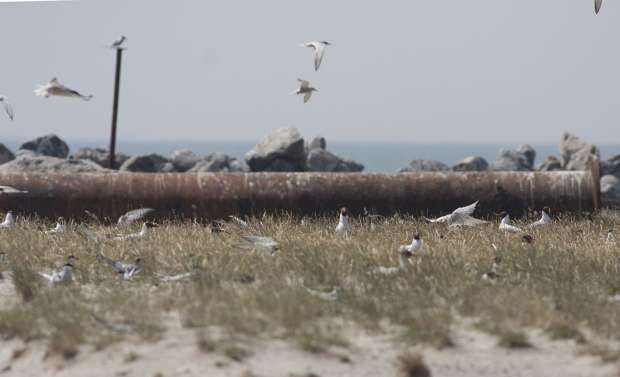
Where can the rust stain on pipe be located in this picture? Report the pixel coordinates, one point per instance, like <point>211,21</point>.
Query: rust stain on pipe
<point>216,195</point>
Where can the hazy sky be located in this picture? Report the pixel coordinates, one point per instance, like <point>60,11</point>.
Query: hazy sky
<point>406,71</point>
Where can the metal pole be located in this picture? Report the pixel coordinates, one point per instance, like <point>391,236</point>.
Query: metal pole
<point>117,84</point>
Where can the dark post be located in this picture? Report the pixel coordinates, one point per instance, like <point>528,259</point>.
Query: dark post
<point>117,84</point>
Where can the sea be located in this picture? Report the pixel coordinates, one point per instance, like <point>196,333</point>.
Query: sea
<point>376,157</point>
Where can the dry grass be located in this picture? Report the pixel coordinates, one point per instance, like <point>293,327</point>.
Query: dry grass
<point>564,278</point>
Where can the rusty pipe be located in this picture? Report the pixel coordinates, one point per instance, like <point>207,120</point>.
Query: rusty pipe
<point>217,195</point>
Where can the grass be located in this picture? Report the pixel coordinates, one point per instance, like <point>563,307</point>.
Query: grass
<point>563,279</point>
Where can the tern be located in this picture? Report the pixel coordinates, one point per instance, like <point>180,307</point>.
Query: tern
<point>325,296</point>
<point>62,276</point>
<point>9,221</point>
<point>134,236</point>
<point>414,246</point>
<point>127,270</point>
<point>597,5</point>
<point>59,228</point>
<point>305,89</point>
<point>8,190</point>
<point>7,107</point>
<point>611,239</point>
<point>134,215</point>
<point>262,243</point>
<point>545,219</point>
<point>506,226</point>
<point>460,217</point>
<point>344,225</point>
<point>55,88</point>
<point>319,51</point>
<point>118,43</point>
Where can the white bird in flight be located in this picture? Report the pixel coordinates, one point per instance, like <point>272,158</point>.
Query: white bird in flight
<point>134,215</point>
<point>59,228</point>
<point>7,107</point>
<point>118,43</point>
<point>8,190</point>
<point>319,51</point>
<point>506,226</point>
<point>144,231</point>
<point>55,88</point>
<point>344,225</point>
<point>597,5</point>
<point>545,219</point>
<point>9,221</point>
<point>460,216</point>
<point>305,89</point>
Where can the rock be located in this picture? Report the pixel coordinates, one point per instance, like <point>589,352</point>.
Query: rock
<point>46,164</point>
<point>325,161</point>
<point>473,163</point>
<point>101,156</point>
<point>508,160</point>
<point>5,154</point>
<point>611,166</point>
<point>529,153</point>
<point>48,145</point>
<point>550,164</point>
<point>576,152</point>
<point>218,162</point>
<point>151,163</point>
<point>283,148</point>
<point>424,165</point>
<point>610,187</point>
<point>26,152</point>
<point>318,142</point>
<point>184,160</point>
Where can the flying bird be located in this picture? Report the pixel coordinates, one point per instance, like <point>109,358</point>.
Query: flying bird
<point>118,43</point>
<point>8,190</point>
<point>305,89</point>
<point>319,51</point>
<point>7,107</point>
<point>545,219</point>
<point>460,217</point>
<point>597,5</point>
<point>134,215</point>
<point>55,88</point>
<point>144,231</point>
<point>344,225</point>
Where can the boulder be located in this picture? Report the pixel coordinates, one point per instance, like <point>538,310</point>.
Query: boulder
<point>611,166</point>
<point>610,187</point>
<point>550,164</point>
<point>5,154</point>
<point>101,156</point>
<point>151,163</point>
<point>325,161</point>
<point>184,160</point>
<point>318,142</point>
<point>424,165</point>
<point>509,160</point>
<point>46,164</point>
<point>48,145</point>
<point>282,149</point>
<point>576,152</point>
<point>529,153</point>
<point>218,162</point>
<point>473,163</point>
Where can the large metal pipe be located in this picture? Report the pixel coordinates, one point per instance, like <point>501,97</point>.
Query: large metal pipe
<point>216,195</point>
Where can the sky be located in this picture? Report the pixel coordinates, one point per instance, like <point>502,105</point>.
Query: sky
<point>449,71</point>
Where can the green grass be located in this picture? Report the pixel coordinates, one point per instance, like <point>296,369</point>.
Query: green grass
<point>560,284</point>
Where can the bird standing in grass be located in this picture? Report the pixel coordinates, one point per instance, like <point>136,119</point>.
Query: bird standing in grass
<point>9,221</point>
<point>545,218</point>
<point>62,276</point>
<point>59,228</point>
<point>506,226</point>
<point>344,225</point>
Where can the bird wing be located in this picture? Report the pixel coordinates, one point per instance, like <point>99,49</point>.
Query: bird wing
<point>11,190</point>
<point>239,222</point>
<point>441,219</point>
<point>303,84</point>
<point>597,5</point>
<point>318,55</point>
<point>8,109</point>
<point>467,210</point>
<point>46,276</point>
<point>134,215</point>
<point>307,96</point>
<point>462,219</point>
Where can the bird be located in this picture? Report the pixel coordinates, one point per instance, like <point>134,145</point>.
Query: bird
<point>59,228</point>
<point>118,43</point>
<point>9,190</point>
<point>325,296</point>
<point>506,226</point>
<point>134,215</point>
<point>262,243</point>
<point>7,107</point>
<point>62,276</point>
<point>319,51</point>
<point>545,219</point>
<point>611,239</point>
<point>415,245</point>
<point>55,88</point>
<point>492,274</point>
<point>9,221</point>
<point>125,269</point>
<point>305,89</point>
<point>597,5</point>
<point>144,231</point>
<point>460,216</point>
<point>344,225</point>
<point>403,260</point>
